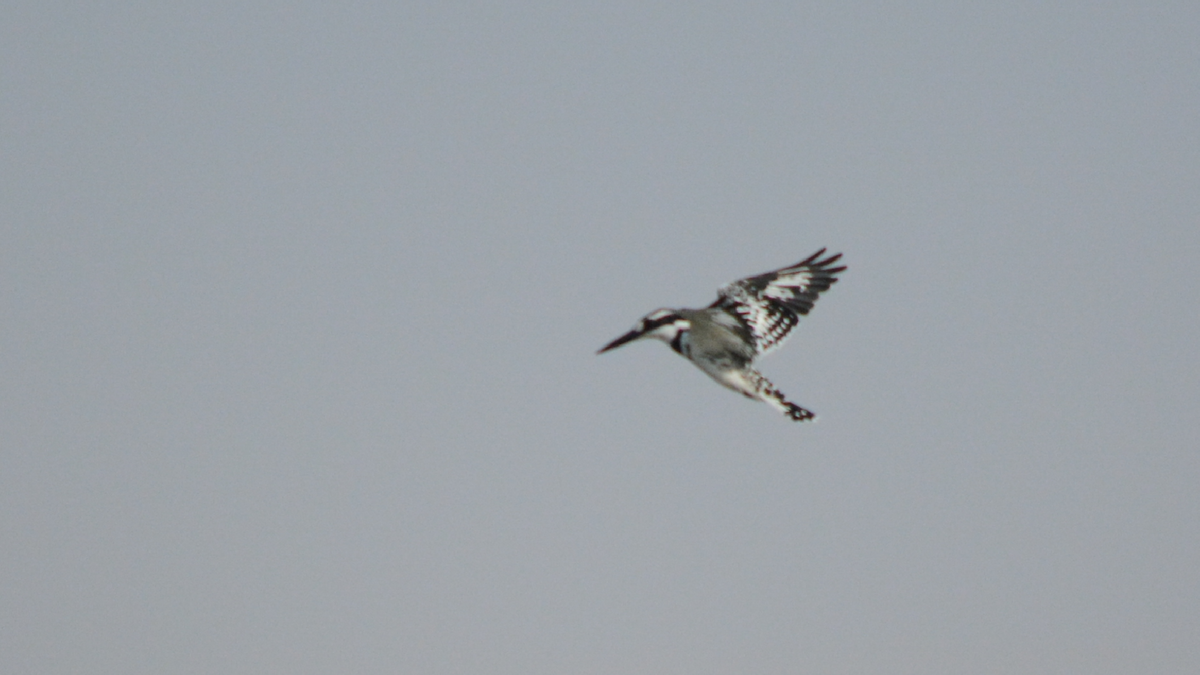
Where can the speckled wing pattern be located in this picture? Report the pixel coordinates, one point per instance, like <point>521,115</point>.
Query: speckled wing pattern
<point>770,305</point>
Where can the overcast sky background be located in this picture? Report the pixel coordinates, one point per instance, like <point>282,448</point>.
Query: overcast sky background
<point>300,305</point>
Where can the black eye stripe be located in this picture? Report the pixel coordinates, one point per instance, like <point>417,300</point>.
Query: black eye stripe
<point>660,322</point>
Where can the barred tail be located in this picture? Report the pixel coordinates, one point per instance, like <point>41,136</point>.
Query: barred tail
<point>768,393</point>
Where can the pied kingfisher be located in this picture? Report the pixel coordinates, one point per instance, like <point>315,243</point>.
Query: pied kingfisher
<point>750,317</point>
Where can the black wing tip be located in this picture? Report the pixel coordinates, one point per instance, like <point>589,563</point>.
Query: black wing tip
<point>815,261</point>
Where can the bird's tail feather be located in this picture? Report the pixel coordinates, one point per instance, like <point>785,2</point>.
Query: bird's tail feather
<point>767,392</point>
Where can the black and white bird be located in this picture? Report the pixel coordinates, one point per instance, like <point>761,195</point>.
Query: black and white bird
<point>750,318</point>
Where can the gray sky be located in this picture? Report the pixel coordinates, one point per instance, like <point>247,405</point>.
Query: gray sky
<point>300,305</point>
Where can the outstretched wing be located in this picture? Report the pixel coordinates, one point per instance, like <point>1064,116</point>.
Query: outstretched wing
<point>770,305</point>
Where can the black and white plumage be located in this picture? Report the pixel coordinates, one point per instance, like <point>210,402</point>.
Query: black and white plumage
<point>751,317</point>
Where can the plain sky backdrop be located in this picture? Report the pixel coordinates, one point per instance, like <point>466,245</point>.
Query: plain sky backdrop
<point>300,304</point>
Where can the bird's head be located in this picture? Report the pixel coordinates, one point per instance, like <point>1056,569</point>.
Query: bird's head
<point>663,324</point>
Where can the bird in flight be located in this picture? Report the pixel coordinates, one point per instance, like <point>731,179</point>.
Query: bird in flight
<point>750,317</point>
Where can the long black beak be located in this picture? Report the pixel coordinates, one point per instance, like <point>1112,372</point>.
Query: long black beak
<point>628,337</point>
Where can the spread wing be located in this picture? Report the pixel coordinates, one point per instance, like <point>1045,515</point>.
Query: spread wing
<point>770,305</point>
